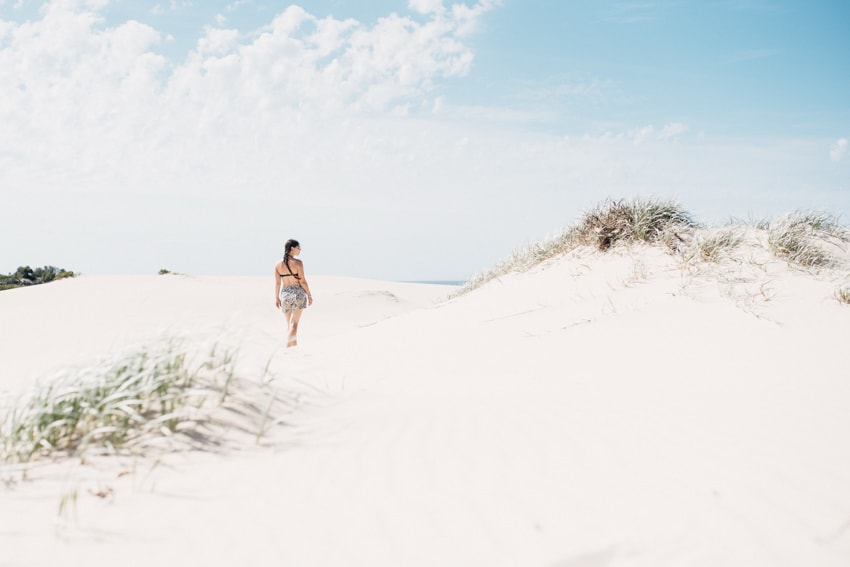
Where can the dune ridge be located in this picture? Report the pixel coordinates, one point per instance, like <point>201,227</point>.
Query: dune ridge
<point>632,407</point>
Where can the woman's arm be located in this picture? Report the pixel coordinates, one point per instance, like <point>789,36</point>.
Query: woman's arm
<point>276,287</point>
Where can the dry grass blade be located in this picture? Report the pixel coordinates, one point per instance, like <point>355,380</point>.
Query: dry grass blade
<point>842,294</point>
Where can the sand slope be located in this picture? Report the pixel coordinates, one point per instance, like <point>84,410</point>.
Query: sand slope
<point>595,411</point>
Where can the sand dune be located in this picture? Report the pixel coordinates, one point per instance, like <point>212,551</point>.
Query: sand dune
<point>597,410</point>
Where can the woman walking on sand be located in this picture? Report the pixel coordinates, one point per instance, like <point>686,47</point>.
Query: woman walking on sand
<point>294,295</point>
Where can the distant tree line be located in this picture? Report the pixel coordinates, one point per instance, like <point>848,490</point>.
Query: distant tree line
<point>25,276</point>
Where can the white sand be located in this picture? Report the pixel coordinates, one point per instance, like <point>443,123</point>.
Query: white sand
<point>596,411</point>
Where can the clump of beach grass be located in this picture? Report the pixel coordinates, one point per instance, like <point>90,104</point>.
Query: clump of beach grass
<point>842,294</point>
<point>118,405</point>
<point>649,221</point>
<point>800,238</point>
<point>610,223</point>
<point>712,246</point>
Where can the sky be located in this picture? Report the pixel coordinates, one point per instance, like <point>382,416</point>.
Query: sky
<point>401,140</point>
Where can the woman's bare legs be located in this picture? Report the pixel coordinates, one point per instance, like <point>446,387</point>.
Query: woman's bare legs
<point>292,319</point>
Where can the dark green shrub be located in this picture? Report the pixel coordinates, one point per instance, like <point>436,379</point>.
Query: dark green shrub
<point>26,275</point>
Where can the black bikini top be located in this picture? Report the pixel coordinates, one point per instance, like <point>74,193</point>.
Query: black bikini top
<point>290,274</point>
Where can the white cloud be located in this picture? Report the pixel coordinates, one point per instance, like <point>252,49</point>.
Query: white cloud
<point>643,134</point>
<point>325,129</point>
<point>425,6</point>
<point>839,150</point>
<point>82,98</point>
<point>86,4</point>
<point>467,17</point>
<point>672,130</point>
<point>650,133</point>
<point>218,41</point>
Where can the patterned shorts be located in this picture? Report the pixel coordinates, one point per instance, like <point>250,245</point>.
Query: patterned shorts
<point>293,297</point>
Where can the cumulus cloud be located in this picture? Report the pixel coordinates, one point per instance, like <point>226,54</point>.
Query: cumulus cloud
<point>79,95</point>
<point>104,137</point>
<point>839,150</point>
<point>467,17</point>
<point>173,5</point>
<point>425,6</point>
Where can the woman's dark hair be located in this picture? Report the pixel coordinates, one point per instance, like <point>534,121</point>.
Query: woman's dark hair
<point>290,244</point>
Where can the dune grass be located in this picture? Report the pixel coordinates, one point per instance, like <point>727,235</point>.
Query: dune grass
<point>650,221</point>
<point>117,404</point>
<point>711,247</point>
<point>842,294</point>
<point>799,236</point>
<point>610,223</point>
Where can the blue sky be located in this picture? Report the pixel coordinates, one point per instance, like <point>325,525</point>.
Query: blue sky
<point>401,140</point>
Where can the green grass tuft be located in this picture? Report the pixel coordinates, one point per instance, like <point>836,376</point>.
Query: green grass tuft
<point>114,405</point>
